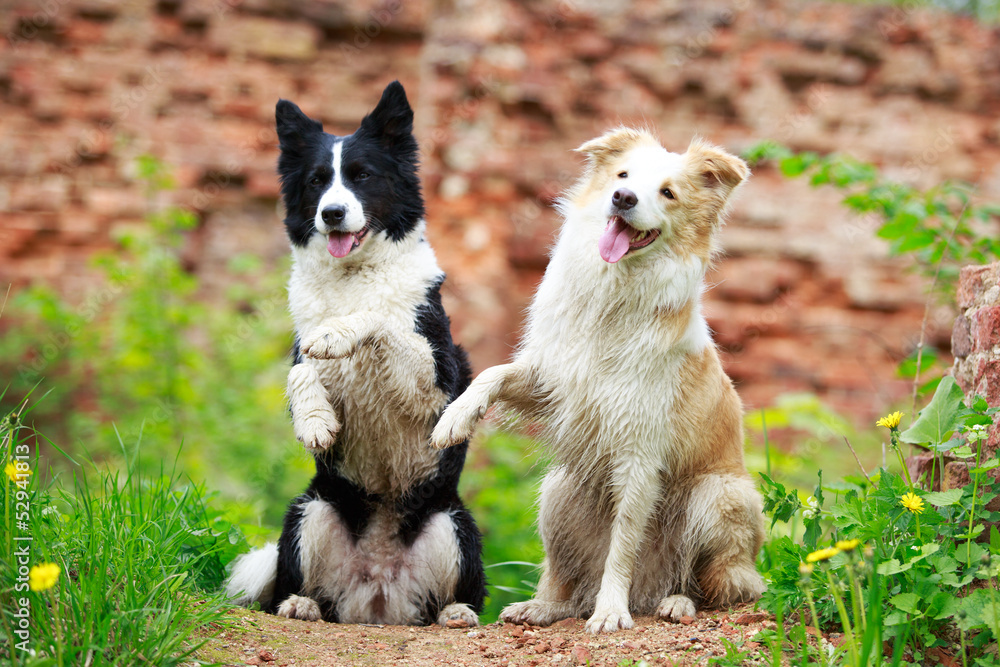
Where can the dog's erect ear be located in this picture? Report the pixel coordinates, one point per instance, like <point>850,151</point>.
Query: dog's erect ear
<point>295,129</point>
<point>611,145</point>
<point>392,117</point>
<point>716,168</point>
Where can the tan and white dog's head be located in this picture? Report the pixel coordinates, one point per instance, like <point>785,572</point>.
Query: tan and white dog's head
<point>650,200</point>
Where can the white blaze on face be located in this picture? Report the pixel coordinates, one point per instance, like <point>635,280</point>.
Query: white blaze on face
<point>338,195</point>
<point>648,168</point>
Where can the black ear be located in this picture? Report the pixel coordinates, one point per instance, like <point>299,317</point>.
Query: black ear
<point>392,118</point>
<point>294,127</point>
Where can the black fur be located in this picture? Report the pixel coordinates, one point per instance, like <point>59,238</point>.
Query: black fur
<point>451,365</point>
<point>385,149</point>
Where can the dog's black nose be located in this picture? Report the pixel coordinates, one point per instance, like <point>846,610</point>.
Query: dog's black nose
<point>624,199</point>
<point>334,214</point>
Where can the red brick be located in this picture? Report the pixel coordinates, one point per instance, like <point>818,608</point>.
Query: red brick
<point>984,325</point>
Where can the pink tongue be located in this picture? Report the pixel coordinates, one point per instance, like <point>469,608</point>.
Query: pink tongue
<point>340,244</point>
<point>615,240</point>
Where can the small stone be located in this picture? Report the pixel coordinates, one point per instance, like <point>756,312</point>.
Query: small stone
<point>687,620</point>
<point>517,631</point>
<point>542,648</point>
<point>457,623</point>
<point>581,655</point>
<point>747,619</point>
<point>265,655</point>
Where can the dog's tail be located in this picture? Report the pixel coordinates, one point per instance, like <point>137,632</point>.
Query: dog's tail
<point>253,576</point>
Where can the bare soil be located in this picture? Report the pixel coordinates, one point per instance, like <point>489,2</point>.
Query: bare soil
<point>255,638</point>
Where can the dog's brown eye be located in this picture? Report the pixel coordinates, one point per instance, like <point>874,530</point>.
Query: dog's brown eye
<point>315,181</point>
<point>623,174</point>
<point>667,193</point>
<point>363,176</point>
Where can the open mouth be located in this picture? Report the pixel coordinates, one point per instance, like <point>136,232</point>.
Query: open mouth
<point>342,243</point>
<point>620,238</point>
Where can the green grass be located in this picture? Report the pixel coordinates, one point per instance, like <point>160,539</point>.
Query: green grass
<point>139,558</point>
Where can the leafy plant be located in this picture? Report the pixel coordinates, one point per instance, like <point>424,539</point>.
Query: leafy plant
<point>905,560</point>
<point>148,355</point>
<point>121,563</point>
<point>938,226</point>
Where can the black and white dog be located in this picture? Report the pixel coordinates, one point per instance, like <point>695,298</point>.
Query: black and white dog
<point>380,535</point>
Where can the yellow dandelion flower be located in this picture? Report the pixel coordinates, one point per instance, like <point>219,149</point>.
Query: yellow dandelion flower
<point>822,554</point>
<point>12,472</point>
<point>43,577</point>
<point>848,545</point>
<point>891,422</point>
<point>913,502</point>
<point>806,568</point>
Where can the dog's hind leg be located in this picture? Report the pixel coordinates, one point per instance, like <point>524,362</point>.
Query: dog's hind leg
<point>723,534</point>
<point>574,530</point>
<point>550,604</point>
<point>514,382</point>
<point>315,423</point>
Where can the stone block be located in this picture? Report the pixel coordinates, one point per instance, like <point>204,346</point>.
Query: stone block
<point>265,38</point>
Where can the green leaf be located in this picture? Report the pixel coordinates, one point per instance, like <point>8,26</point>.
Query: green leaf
<point>939,417</point>
<point>944,498</point>
<point>908,602</point>
<point>893,566</point>
<point>989,465</point>
<point>994,539</point>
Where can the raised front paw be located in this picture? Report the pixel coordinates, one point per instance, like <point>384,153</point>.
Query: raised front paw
<point>300,607</point>
<point>458,615</point>
<point>317,430</point>
<point>675,607</point>
<point>609,620</point>
<point>457,423</point>
<point>333,342</point>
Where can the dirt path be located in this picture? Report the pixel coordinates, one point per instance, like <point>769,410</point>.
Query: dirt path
<point>255,638</point>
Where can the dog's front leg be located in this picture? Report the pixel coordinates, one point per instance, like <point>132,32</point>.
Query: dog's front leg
<point>512,381</point>
<point>635,488</point>
<point>313,418</point>
<point>340,337</point>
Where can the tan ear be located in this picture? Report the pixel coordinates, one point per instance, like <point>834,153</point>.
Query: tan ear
<point>716,167</point>
<point>612,144</point>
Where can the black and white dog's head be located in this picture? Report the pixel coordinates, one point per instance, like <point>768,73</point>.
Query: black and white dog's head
<point>352,188</point>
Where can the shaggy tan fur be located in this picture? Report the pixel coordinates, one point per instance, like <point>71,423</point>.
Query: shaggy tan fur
<point>650,508</point>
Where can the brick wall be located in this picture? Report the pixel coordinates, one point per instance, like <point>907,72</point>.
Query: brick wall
<point>805,299</point>
<point>976,346</point>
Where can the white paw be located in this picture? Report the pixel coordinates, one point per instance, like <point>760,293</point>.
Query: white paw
<point>332,343</point>
<point>535,612</point>
<point>675,607</point>
<point>300,607</point>
<point>459,614</point>
<point>317,430</point>
<point>457,423</point>
<point>609,620</point>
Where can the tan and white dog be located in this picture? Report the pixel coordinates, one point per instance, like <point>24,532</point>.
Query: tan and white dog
<point>650,508</point>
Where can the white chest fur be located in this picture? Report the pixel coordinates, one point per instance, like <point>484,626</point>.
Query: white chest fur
<point>609,343</point>
<point>385,401</point>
